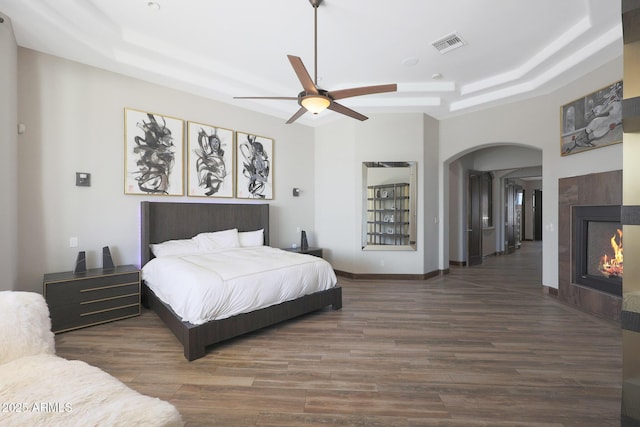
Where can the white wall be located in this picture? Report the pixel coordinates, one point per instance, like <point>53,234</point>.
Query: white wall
<point>457,208</point>
<point>505,157</point>
<point>536,123</point>
<point>429,194</point>
<point>74,115</point>
<point>9,157</point>
<point>340,149</point>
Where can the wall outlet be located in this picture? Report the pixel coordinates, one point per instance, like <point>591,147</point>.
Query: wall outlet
<point>298,229</point>
<point>381,263</point>
<point>73,242</point>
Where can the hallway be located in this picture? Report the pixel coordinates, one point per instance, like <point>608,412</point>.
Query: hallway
<point>519,271</point>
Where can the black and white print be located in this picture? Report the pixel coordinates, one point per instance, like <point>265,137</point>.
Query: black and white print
<point>211,160</point>
<point>153,154</point>
<point>254,166</point>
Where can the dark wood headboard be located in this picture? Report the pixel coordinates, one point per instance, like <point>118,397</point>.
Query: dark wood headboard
<point>162,221</point>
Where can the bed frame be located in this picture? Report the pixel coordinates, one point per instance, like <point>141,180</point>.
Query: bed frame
<point>168,221</point>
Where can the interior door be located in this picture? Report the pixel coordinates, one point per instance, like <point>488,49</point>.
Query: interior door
<point>474,218</point>
<point>513,211</point>
<point>523,217</point>
<point>510,217</point>
<point>537,214</point>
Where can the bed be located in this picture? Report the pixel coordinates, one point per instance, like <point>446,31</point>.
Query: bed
<point>166,221</point>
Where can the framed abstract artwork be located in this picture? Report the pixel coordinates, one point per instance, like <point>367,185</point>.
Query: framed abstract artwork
<point>210,160</point>
<point>153,160</point>
<point>593,121</point>
<point>254,167</point>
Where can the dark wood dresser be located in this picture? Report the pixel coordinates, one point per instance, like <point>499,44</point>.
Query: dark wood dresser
<point>78,300</point>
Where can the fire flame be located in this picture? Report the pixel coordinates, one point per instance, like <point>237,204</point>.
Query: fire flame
<point>612,266</point>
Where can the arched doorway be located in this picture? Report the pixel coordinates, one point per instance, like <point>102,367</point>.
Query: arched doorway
<point>490,203</point>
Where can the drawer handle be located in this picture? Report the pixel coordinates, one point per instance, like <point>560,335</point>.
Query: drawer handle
<point>109,309</point>
<point>109,287</point>
<point>109,298</point>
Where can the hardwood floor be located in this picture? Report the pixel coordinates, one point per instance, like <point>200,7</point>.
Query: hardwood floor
<point>482,346</point>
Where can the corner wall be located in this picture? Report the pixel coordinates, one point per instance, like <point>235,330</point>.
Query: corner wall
<point>9,157</point>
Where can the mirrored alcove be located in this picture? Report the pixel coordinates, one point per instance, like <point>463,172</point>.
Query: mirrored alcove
<point>389,206</point>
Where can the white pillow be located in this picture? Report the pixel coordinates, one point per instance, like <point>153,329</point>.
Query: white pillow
<point>251,238</point>
<point>175,248</point>
<point>213,242</point>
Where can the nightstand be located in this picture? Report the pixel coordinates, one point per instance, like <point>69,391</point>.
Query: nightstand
<point>78,300</point>
<point>309,251</point>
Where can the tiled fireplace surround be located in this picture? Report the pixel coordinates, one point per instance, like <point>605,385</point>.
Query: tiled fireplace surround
<point>588,190</point>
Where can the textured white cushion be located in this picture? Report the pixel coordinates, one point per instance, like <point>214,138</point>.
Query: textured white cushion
<point>25,327</point>
<point>218,240</point>
<point>251,238</point>
<point>175,248</point>
<point>42,389</point>
<point>75,394</point>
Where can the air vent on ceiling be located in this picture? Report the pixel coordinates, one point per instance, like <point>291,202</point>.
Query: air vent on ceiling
<point>448,43</point>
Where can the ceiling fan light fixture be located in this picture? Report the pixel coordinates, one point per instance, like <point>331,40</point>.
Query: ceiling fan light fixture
<point>315,103</point>
<point>316,100</point>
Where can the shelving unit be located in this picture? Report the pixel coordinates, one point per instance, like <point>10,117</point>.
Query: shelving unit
<point>388,213</point>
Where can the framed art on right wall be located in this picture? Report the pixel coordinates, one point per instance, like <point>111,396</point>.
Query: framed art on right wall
<point>593,121</point>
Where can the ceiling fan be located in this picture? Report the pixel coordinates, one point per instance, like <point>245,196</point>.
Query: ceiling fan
<point>315,99</point>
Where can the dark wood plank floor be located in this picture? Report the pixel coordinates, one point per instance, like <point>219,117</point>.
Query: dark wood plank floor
<point>482,346</point>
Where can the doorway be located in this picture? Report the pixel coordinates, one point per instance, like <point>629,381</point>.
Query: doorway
<point>537,215</point>
<point>469,242</point>
<point>474,218</point>
<point>513,215</point>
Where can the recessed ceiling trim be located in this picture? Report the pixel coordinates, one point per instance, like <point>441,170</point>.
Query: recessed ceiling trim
<point>92,17</point>
<point>441,86</point>
<point>547,52</point>
<point>613,35</point>
<point>370,101</point>
<point>172,54</point>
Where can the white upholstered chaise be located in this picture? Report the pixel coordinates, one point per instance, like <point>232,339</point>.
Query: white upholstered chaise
<point>38,388</point>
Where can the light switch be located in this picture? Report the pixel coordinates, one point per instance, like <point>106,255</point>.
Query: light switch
<point>83,179</point>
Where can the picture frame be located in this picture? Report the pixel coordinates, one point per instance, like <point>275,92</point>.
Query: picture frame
<point>210,160</point>
<point>593,121</point>
<point>153,154</point>
<point>254,166</point>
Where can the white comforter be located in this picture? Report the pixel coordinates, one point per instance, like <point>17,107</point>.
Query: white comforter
<point>222,284</point>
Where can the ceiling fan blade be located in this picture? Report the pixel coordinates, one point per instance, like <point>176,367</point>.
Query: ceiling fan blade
<point>303,75</point>
<point>292,98</point>
<point>364,90</point>
<point>297,115</point>
<point>339,108</point>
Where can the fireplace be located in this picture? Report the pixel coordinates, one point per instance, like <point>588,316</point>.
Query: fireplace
<point>601,190</point>
<point>597,248</point>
